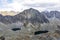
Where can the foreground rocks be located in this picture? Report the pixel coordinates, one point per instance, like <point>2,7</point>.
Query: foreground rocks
<point>27,33</point>
<point>46,36</point>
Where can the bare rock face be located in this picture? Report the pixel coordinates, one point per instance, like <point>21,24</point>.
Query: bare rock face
<point>31,15</point>
<point>52,14</point>
<point>34,15</point>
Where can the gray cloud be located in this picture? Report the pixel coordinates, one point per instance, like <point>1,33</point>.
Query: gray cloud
<point>54,8</point>
<point>41,5</point>
<point>18,5</point>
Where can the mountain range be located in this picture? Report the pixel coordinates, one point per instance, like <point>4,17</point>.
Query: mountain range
<point>30,24</point>
<point>29,15</point>
<point>11,13</point>
<point>51,14</point>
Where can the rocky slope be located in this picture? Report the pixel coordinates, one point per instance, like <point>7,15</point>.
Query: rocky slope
<point>52,14</point>
<point>30,15</point>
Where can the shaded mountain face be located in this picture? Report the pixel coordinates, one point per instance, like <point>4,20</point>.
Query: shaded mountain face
<point>48,14</point>
<point>52,14</point>
<point>30,15</point>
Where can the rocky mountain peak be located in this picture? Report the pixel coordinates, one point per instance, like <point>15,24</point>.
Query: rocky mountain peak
<point>52,14</point>
<point>30,15</point>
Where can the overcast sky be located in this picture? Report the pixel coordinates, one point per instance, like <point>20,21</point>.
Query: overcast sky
<point>19,5</point>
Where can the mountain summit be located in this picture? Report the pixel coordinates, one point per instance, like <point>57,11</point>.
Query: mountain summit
<point>33,15</point>
<point>30,15</point>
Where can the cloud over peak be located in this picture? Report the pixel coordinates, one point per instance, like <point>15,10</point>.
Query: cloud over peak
<point>19,5</point>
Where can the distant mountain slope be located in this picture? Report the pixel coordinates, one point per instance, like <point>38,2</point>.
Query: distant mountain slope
<point>30,15</point>
<point>52,14</point>
<point>11,13</point>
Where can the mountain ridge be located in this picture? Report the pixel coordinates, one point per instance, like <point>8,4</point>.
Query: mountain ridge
<point>51,14</point>
<point>31,15</point>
